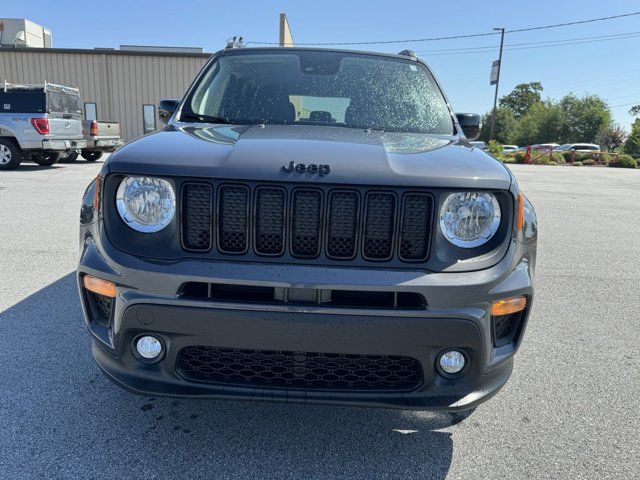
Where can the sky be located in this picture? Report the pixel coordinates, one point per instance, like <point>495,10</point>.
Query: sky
<point>609,67</point>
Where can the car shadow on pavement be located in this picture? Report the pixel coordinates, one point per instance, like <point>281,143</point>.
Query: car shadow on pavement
<point>61,417</point>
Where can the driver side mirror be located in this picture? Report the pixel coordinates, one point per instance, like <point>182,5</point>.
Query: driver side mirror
<point>166,108</point>
<point>471,124</point>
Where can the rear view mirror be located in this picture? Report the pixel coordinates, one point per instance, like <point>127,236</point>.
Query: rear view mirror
<point>166,108</point>
<point>471,124</point>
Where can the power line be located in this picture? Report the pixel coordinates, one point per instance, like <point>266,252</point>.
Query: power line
<point>454,37</point>
<point>627,104</point>
<point>527,45</point>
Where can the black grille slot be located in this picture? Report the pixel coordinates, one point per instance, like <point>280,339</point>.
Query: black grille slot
<point>270,221</point>
<point>304,370</point>
<point>379,226</point>
<point>233,217</point>
<point>415,230</point>
<point>197,199</point>
<point>342,228</point>
<point>306,223</point>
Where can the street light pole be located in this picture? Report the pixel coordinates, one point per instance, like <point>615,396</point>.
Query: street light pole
<point>495,97</point>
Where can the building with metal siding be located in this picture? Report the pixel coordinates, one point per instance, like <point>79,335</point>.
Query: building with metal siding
<point>119,82</point>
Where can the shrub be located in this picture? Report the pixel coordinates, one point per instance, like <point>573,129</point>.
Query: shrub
<point>577,164</point>
<point>518,157</point>
<point>495,148</point>
<point>589,161</point>
<point>508,159</point>
<point>582,156</point>
<point>624,161</point>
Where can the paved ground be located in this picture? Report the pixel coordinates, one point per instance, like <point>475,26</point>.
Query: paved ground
<point>569,411</point>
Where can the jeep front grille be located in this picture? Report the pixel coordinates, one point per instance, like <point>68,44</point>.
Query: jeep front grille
<point>304,370</point>
<point>302,222</point>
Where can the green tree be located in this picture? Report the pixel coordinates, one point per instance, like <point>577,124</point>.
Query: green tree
<point>632,145</point>
<point>583,117</point>
<point>522,98</point>
<point>635,111</point>
<point>542,124</point>
<point>505,127</point>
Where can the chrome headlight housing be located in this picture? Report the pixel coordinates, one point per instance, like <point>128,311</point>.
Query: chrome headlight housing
<point>469,219</point>
<point>146,204</point>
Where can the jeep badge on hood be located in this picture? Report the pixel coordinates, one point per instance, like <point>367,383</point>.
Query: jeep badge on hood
<point>312,168</point>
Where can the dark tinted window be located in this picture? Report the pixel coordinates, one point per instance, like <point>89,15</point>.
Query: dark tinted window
<point>321,88</point>
<point>23,101</point>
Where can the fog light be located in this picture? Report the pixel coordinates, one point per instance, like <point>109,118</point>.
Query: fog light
<point>452,362</point>
<point>148,347</point>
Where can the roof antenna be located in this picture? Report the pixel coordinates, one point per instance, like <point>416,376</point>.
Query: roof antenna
<point>235,42</point>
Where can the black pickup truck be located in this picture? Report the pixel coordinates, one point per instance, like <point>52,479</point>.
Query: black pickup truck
<point>310,226</point>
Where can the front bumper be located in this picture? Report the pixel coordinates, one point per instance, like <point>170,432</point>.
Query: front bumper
<point>457,317</point>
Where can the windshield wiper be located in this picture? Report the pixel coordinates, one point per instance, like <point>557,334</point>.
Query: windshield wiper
<point>196,117</point>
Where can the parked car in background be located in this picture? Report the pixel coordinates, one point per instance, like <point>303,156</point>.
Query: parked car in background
<point>578,147</point>
<point>509,148</point>
<point>38,123</point>
<point>480,145</point>
<point>101,137</point>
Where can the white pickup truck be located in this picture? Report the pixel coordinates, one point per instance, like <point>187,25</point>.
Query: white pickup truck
<point>100,136</point>
<point>38,123</point>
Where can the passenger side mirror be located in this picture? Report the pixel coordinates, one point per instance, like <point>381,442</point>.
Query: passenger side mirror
<point>166,108</point>
<point>471,124</point>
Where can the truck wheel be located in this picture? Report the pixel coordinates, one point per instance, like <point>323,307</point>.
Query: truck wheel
<point>45,159</point>
<point>10,154</point>
<point>69,157</point>
<point>91,155</point>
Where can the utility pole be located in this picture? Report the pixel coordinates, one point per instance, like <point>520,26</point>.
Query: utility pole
<point>497,82</point>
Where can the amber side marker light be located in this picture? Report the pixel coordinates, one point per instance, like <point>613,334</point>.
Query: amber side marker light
<point>96,194</point>
<point>520,212</point>
<point>508,306</point>
<point>99,286</point>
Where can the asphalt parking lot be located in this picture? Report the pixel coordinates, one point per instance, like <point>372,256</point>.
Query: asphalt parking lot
<point>570,409</point>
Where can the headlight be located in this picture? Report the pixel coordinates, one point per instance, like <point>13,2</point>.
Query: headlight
<point>146,204</point>
<point>469,219</point>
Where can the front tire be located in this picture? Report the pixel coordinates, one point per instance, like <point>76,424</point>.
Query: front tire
<point>10,154</point>
<point>45,159</point>
<point>91,155</point>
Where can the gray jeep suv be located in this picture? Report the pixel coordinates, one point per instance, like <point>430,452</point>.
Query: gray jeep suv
<point>310,226</point>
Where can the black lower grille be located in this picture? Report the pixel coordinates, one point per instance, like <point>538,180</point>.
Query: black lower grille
<point>320,371</point>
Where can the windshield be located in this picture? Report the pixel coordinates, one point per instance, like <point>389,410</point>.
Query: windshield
<point>320,88</point>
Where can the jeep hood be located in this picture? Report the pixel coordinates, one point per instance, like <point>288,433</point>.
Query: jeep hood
<point>359,157</point>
